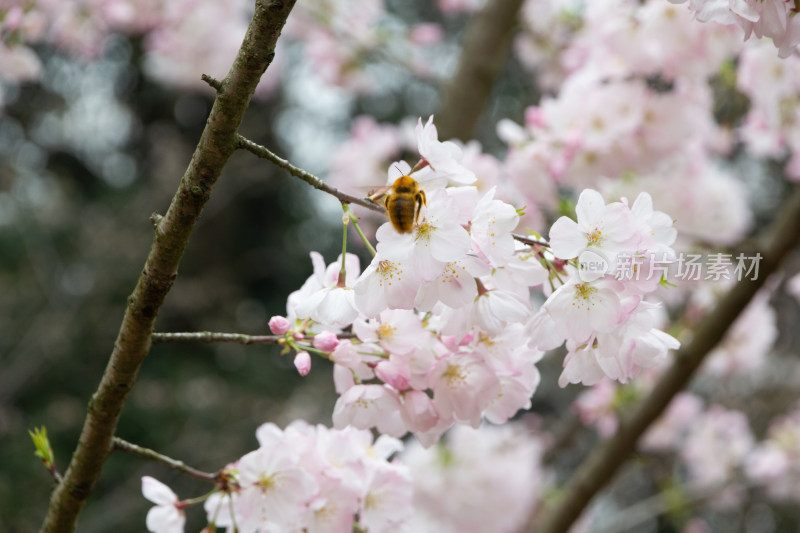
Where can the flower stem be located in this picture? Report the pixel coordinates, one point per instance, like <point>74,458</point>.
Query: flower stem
<point>354,219</point>
<point>343,270</point>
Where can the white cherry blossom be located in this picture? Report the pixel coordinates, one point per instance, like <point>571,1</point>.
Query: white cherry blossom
<point>167,516</point>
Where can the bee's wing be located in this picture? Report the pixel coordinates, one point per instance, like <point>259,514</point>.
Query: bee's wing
<point>376,192</point>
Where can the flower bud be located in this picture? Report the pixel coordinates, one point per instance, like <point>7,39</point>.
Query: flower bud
<point>302,362</point>
<point>326,341</point>
<point>278,325</point>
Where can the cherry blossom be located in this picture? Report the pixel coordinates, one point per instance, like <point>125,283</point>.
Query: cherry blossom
<point>366,406</point>
<point>602,229</point>
<point>486,479</point>
<point>443,158</point>
<point>716,445</point>
<point>167,516</point>
<point>386,284</point>
<point>773,463</point>
<point>275,490</point>
<point>328,300</point>
<point>463,386</point>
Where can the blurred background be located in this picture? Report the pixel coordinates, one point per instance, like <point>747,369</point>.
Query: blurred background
<point>100,114</point>
<point>89,148</point>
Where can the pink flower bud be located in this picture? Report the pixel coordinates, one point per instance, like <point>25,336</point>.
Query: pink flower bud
<point>326,341</point>
<point>302,362</point>
<point>534,116</point>
<point>278,325</point>
<point>426,33</point>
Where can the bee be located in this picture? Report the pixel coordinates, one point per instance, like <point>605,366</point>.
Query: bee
<point>403,203</point>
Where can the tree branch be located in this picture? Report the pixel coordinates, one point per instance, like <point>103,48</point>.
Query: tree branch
<point>211,81</point>
<point>484,52</point>
<point>211,336</point>
<point>180,466</point>
<point>311,179</point>
<point>599,468</point>
<point>172,233</point>
<point>527,239</point>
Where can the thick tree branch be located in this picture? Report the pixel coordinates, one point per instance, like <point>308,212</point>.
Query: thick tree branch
<point>484,51</point>
<point>311,179</point>
<point>172,233</point>
<point>180,466</point>
<point>599,468</point>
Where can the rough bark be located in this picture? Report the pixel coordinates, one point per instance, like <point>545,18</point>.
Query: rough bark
<point>172,233</point>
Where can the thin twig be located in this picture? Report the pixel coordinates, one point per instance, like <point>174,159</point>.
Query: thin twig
<point>213,336</point>
<point>314,181</point>
<point>527,239</point>
<point>180,466</point>
<point>213,82</point>
<point>602,464</point>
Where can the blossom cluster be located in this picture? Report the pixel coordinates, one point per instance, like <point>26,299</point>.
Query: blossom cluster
<point>774,465</point>
<point>303,478</point>
<point>489,479</point>
<point>771,127</point>
<point>609,328</point>
<point>443,328</point>
<point>776,19</point>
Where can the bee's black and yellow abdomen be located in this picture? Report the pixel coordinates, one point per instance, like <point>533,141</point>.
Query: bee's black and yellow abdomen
<point>402,210</point>
<point>403,203</point>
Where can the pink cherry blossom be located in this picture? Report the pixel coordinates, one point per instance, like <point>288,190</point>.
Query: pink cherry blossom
<point>444,158</point>
<point>773,465</point>
<point>581,309</point>
<point>491,480</point>
<point>601,228</point>
<point>463,386</point>
<point>387,499</point>
<point>386,284</point>
<point>715,447</point>
<point>455,286</point>
<point>436,239</point>
<point>492,224</point>
<point>418,411</point>
<point>495,309</point>
<point>399,331</point>
<point>333,303</point>
<point>366,406</point>
<point>275,490</point>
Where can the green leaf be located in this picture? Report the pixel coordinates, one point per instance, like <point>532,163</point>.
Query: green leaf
<point>42,444</point>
